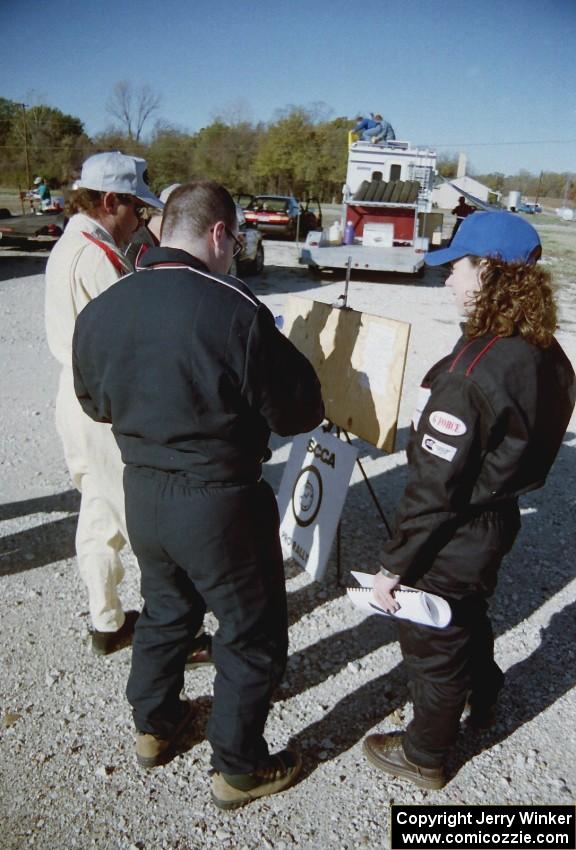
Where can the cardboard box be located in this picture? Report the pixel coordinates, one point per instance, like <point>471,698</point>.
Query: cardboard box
<point>378,235</point>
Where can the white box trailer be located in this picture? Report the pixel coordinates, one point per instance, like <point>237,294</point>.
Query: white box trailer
<point>388,190</point>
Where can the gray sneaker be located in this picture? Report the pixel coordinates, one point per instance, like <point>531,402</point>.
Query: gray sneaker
<point>229,791</point>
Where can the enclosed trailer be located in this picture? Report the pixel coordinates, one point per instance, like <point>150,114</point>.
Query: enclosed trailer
<point>386,198</point>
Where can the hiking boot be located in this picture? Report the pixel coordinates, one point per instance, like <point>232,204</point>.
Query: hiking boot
<point>104,643</point>
<point>200,652</point>
<point>152,751</point>
<point>387,753</point>
<point>229,791</point>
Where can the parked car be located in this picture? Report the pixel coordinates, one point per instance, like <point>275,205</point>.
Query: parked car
<point>41,227</point>
<point>249,261</point>
<point>281,215</point>
<point>531,209</point>
<point>251,258</point>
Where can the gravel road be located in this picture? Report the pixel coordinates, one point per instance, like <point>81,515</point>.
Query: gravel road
<point>68,776</point>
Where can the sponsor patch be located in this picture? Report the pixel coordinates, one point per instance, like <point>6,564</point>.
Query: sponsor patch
<point>447,423</point>
<point>421,402</point>
<point>436,447</point>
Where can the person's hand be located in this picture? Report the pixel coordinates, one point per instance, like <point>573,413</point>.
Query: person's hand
<point>384,592</point>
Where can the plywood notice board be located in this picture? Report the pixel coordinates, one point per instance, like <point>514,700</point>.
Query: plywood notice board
<point>359,359</point>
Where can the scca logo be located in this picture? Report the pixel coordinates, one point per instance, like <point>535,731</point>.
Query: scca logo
<point>324,455</point>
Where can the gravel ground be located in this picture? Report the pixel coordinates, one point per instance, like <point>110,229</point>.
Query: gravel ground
<point>68,777</point>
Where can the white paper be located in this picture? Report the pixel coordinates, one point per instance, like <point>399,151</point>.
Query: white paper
<point>374,359</point>
<point>427,609</point>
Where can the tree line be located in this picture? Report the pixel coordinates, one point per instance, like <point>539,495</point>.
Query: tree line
<point>299,152</point>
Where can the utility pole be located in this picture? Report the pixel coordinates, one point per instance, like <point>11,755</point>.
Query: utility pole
<point>539,189</point>
<point>23,105</point>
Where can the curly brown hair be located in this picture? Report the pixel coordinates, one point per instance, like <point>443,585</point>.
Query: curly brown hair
<point>84,200</point>
<point>515,298</point>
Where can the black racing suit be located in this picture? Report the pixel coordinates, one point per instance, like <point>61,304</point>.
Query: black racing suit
<point>193,374</point>
<point>491,419</point>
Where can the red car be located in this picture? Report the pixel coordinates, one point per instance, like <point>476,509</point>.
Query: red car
<point>281,215</point>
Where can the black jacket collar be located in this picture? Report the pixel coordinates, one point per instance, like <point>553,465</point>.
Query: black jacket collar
<point>156,256</point>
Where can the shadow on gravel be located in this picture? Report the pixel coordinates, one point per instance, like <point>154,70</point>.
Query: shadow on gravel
<point>352,718</point>
<point>276,279</point>
<point>67,501</point>
<point>310,667</point>
<point>38,546</point>
<point>17,265</point>
<point>196,733</point>
<point>532,685</point>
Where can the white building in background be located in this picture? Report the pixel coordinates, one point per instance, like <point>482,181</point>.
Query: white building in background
<point>446,195</point>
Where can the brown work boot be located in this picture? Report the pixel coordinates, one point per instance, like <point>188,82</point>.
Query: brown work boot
<point>229,791</point>
<point>387,753</point>
<point>104,643</point>
<point>152,751</point>
<point>200,652</point>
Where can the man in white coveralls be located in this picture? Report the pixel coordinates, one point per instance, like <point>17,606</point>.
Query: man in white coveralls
<point>111,196</point>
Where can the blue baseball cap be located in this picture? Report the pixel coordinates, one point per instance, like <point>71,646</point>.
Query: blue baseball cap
<point>503,235</point>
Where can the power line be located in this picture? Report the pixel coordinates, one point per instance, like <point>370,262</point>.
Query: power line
<point>496,144</point>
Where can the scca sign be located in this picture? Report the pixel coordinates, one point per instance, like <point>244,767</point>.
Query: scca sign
<point>323,454</point>
<point>311,497</point>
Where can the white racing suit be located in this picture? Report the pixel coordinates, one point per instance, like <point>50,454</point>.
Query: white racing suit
<point>84,263</point>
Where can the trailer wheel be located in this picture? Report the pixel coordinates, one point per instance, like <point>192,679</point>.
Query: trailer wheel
<point>397,191</point>
<point>362,190</point>
<point>373,190</point>
<point>387,193</point>
<point>379,196</point>
<point>257,265</point>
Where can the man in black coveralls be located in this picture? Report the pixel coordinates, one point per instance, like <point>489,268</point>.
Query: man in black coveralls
<point>190,369</point>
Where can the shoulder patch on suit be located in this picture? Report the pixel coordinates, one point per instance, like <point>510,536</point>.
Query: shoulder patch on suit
<point>447,423</point>
<point>436,447</point>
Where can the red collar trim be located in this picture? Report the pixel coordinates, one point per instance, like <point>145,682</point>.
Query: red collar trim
<point>109,251</point>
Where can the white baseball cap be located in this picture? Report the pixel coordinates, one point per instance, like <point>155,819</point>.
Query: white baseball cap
<point>115,172</point>
<point>165,193</point>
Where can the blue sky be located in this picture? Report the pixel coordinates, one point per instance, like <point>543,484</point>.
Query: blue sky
<point>493,78</point>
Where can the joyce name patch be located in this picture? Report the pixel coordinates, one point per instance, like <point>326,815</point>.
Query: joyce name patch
<point>436,447</point>
<point>447,423</point>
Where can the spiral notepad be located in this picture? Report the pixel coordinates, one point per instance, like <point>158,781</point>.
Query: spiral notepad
<point>427,609</point>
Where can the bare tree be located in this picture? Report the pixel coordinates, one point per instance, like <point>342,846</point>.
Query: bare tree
<point>234,113</point>
<point>132,106</point>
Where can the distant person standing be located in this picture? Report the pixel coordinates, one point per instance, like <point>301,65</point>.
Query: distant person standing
<point>111,196</point>
<point>462,210</point>
<point>41,192</point>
